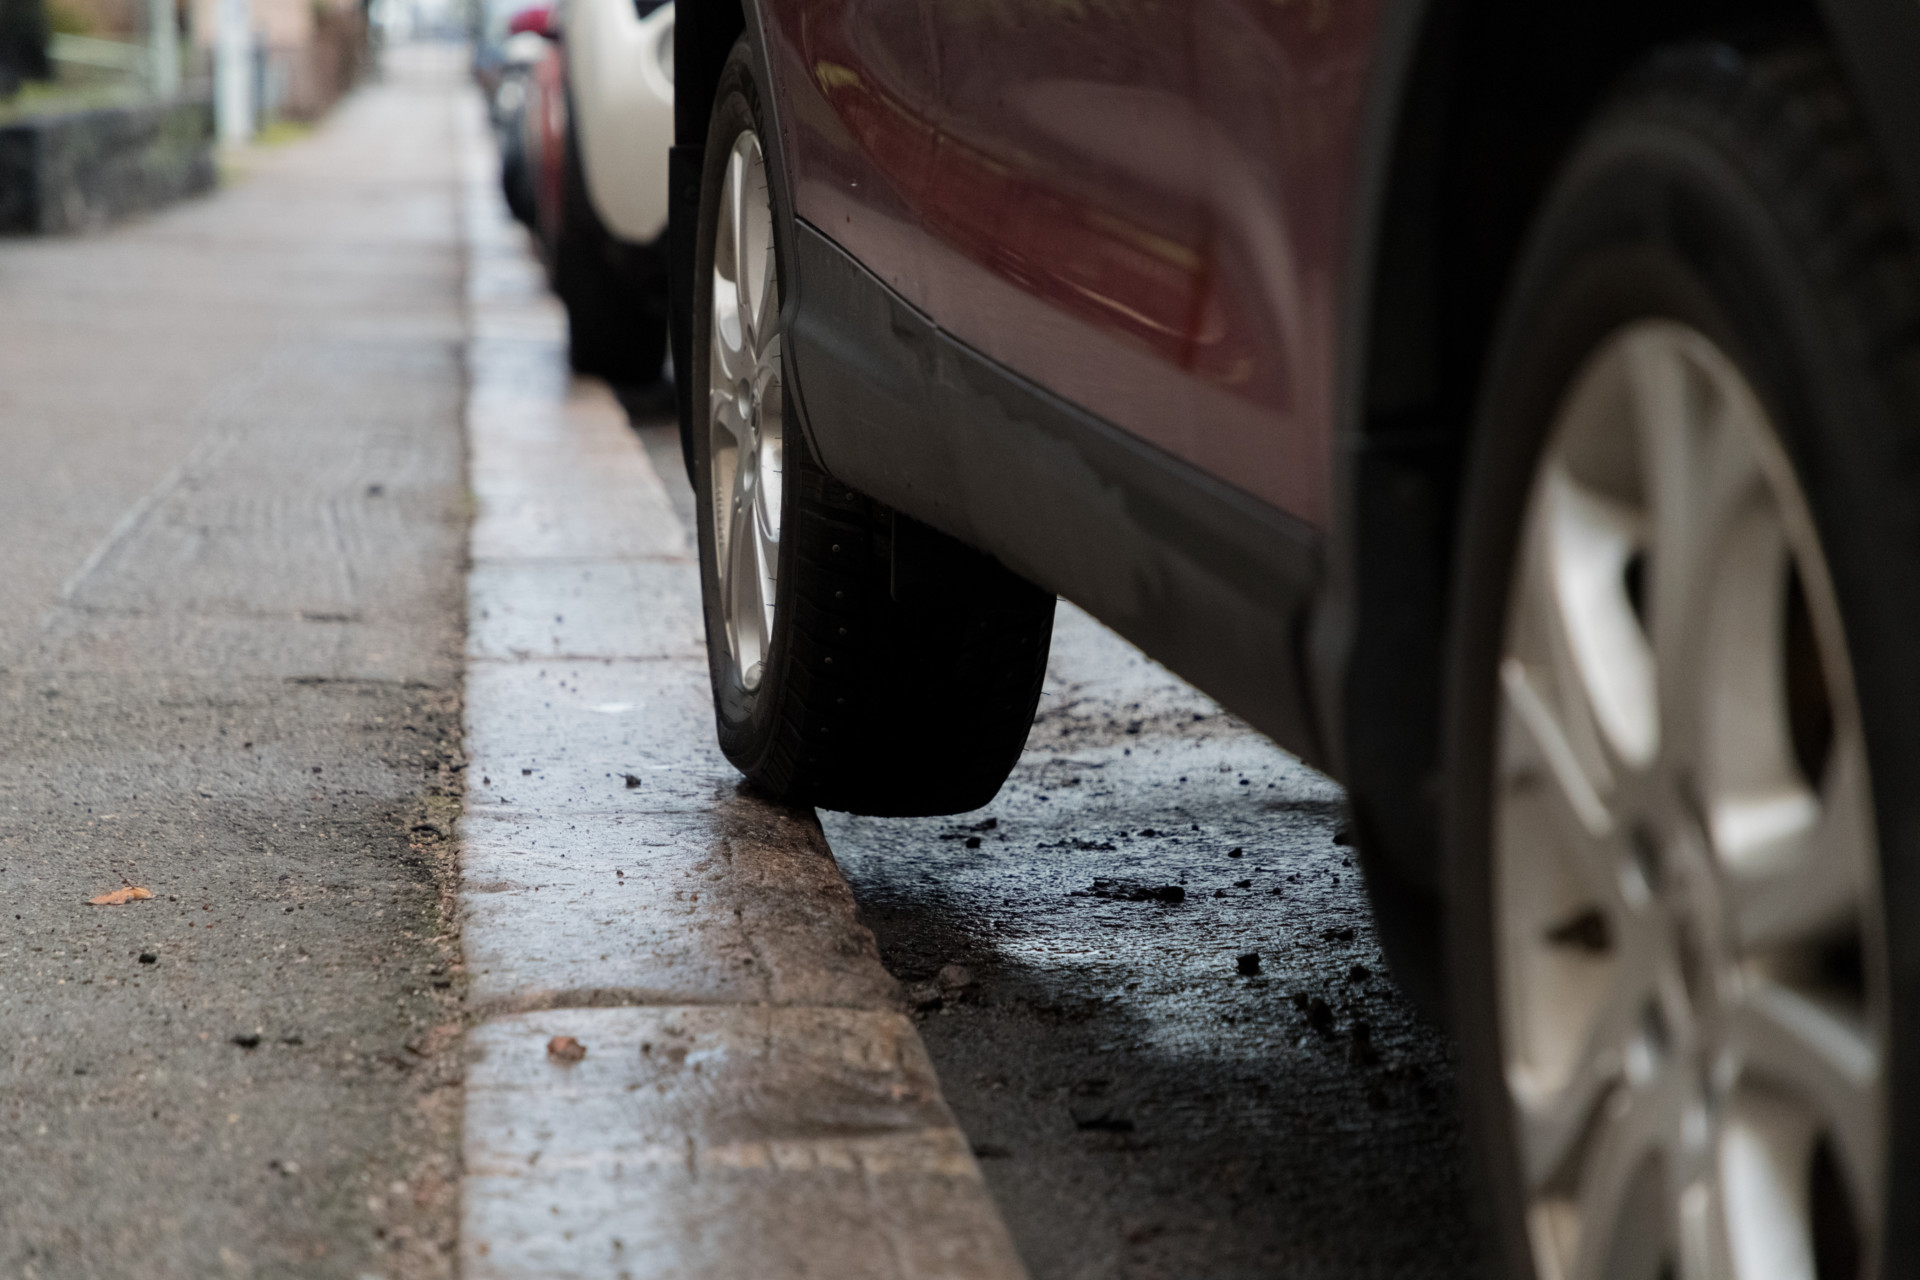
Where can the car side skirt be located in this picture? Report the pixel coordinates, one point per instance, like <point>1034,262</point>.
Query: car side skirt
<point>1204,578</point>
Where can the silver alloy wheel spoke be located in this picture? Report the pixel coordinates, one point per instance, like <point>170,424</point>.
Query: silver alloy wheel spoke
<point>745,423</point>
<point>1678,860</point>
<point>1633,1132</point>
<point>1555,1122</point>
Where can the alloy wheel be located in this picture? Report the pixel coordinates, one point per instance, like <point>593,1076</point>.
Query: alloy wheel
<point>744,409</point>
<point>1691,983</point>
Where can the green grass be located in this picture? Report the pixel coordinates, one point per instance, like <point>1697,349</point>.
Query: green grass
<point>280,132</point>
<point>37,99</point>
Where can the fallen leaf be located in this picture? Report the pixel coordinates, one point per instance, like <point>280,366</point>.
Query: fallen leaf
<point>120,897</point>
<point>565,1049</point>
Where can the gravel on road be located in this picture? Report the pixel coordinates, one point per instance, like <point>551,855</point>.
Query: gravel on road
<point>1147,976</point>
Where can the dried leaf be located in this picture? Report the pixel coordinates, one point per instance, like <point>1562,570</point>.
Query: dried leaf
<point>565,1049</point>
<point>120,897</point>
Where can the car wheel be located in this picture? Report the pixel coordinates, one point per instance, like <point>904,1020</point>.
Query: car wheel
<point>615,292</point>
<point>860,661</point>
<point>1683,724</point>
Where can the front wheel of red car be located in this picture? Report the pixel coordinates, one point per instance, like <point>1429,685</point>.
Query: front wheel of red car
<point>860,661</point>
<point>1684,837</point>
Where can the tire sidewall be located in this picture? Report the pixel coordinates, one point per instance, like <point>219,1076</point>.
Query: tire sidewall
<point>1654,221</point>
<point>744,718</point>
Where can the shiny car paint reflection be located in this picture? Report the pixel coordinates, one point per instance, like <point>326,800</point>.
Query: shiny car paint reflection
<point>1139,204</point>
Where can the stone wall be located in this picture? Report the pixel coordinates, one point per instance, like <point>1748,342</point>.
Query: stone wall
<point>81,169</point>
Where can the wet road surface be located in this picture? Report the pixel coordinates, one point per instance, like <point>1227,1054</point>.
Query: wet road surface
<point>1146,1098</point>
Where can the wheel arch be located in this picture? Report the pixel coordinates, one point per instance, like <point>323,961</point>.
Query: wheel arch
<point>1473,105</point>
<point>703,35</point>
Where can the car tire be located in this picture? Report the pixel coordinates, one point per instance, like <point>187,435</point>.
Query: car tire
<point>1689,582</point>
<point>615,292</point>
<point>860,661</point>
<point>516,179</point>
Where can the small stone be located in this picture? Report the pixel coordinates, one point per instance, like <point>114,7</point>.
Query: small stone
<point>248,1041</point>
<point>955,977</point>
<point>147,957</point>
<point>1243,884</point>
<point>1359,973</point>
<point>1248,964</point>
<point>566,1049</point>
<point>1360,1051</point>
<point>632,781</point>
<point>973,842</point>
<point>1236,853</point>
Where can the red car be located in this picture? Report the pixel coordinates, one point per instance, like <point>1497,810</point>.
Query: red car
<point>1513,409</point>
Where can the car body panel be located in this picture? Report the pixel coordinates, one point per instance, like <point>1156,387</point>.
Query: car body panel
<point>620,68</point>
<point>1197,573</point>
<point>1063,192</point>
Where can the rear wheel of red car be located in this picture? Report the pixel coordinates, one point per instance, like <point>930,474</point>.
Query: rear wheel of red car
<point>1684,725</point>
<point>860,661</point>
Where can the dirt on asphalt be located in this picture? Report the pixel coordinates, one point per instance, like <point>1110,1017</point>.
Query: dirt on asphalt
<point>1176,1050</point>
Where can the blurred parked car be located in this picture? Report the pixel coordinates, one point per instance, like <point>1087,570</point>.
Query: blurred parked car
<point>493,59</point>
<point>525,48</point>
<point>1512,410</point>
<point>602,92</point>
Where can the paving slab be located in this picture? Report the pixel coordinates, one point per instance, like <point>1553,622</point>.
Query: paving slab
<point>720,1143</point>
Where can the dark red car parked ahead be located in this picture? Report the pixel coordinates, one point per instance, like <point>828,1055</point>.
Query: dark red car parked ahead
<point>1512,408</point>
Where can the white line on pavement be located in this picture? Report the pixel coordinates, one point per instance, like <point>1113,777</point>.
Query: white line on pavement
<point>752,1101</point>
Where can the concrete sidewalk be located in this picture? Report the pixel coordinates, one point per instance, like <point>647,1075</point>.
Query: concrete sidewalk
<point>233,512</point>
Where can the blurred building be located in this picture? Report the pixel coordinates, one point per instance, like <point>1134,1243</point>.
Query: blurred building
<point>309,52</point>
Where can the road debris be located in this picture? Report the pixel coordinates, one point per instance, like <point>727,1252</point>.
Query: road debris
<point>1122,891</point>
<point>566,1049</point>
<point>1360,1052</point>
<point>120,897</point>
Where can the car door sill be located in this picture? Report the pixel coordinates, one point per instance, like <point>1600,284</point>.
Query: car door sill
<point>1203,577</point>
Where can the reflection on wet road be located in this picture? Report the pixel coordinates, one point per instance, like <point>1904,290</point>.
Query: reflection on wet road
<point>1148,980</point>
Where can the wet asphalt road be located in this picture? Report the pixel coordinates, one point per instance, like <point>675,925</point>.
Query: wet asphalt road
<point>1143,1106</point>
